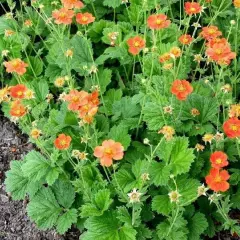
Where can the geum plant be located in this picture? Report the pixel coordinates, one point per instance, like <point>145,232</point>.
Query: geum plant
<point>133,109</point>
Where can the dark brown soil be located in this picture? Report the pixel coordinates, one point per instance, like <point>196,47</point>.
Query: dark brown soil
<point>14,223</point>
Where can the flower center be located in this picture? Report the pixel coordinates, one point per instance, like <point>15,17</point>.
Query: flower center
<point>84,19</point>
<point>181,88</point>
<point>159,21</point>
<point>234,127</point>
<point>218,179</point>
<point>75,99</point>
<point>211,31</point>
<point>218,51</point>
<point>137,44</point>
<point>15,63</point>
<point>192,9</point>
<point>62,15</point>
<point>20,93</point>
<point>108,151</point>
<point>219,161</point>
<point>63,142</point>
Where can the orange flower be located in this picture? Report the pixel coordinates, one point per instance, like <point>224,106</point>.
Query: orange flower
<point>175,52</point>
<point>213,41</point>
<point>192,8</point>
<point>185,39</point>
<point>89,109</point>
<point>165,57</point>
<point>135,44</point>
<point>93,98</point>
<point>17,109</point>
<point>16,66</point>
<point>69,4</point>
<point>158,21</point>
<point>210,32</point>
<point>219,159</point>
<point>236,3</point>
<point>62,142</point>
<point>76,99</point>
<point>109,151</point>
<point>18,91</point>
<point>221,53</point>
<point>232,127</point>
<point>217,180</point>
<point>63,16</point>
<point>181,88</point>
<point>84,18</point>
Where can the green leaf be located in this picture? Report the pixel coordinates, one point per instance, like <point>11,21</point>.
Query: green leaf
<point>108,227</point>
<point>197,225</point>
<point>65,221</point>
<point>102,123</point>
<point>188,191</point>
<point>35,66</point>
<point>102,199</point>
<point>16,182</point>
<point>90,210</point>
<point>39,109</point>
<point>9,24</point>
<point>120,134</point>
<point>159,173</point>
<point>112,3</point>
<point>117,52</point>
<point>111,96</point>
<point>53,71</point>
<point>178,231</point>
<point>177,153</point>
<point>126,108</point>
<point>95,31</point>
<point>52,175</point>
<point>82,53</point>
<point>64,193</point>
<point>153,116</point>
<point>99,205</point>
<point>125,179</point>
<point>139,167</point>
<point>123,215</point>
<point>44,209</point>
<point>235,200</point>
<point>102,79</point>
<point>162,204</point>
<point>143,233</point>
<point>41,89</point>
<point>208,108</point>
<point>36,166</point>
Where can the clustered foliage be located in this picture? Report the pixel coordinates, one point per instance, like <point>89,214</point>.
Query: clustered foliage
<point>133,109</point>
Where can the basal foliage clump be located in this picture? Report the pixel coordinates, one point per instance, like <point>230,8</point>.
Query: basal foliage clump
<point>133,108</point>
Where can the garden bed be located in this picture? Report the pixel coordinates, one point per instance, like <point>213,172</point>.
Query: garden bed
<point>128,119</point>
